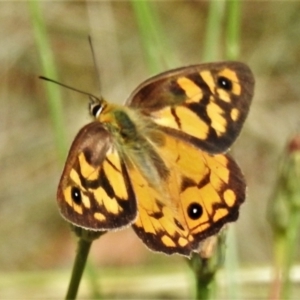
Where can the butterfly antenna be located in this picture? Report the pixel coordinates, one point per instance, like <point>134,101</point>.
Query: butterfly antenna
<point>95,63</point>
<point>93,97</point>
<point>70,87</point>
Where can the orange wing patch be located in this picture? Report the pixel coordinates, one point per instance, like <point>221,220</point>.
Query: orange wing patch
<point>202,192</point>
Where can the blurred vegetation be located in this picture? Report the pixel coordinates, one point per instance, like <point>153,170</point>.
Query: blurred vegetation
<point>34,236</point>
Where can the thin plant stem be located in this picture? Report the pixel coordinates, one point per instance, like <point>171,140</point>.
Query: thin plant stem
<point>56,113</point>
<point>231,264</point>
<point>291,246</point>
<point>293,228</point>
<point>213,31</point>
<point>78,268</point>
<point>86,237</point>
<point>49,70</point>
<point>152,36</point>
<point>232,40</point>
<point>232,45</point>
<point>203,276</point>
<point>93,279</point>
<point>205,265</point>
<point>284,216</point>
<point>205,285</point>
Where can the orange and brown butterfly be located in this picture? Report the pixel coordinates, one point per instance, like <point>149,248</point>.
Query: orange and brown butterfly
<point>158,163</point>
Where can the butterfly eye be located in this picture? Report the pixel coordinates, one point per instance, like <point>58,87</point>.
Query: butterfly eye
<point>224,83</point>
<point>76,195</point>
<point>96,109</point>
<point>195,211</point>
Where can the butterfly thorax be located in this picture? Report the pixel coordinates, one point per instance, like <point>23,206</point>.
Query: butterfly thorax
<point>136,139</point>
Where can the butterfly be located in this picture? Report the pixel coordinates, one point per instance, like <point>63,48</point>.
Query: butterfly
<point>159,162</point>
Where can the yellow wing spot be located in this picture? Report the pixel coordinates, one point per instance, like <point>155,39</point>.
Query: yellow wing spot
<point>68,198</point>
<point>86,201</point>
<point>191,123</point>
<point>236,87</point>
<point>144,221</point>
<point>229,197</point>
<point>207,77</point>
<point>218,179</point>
<point>77,208</point>
<point>219,171</point>
<point>75,177</point>
<point>218,122</point>
<point>87,171</point>
<point>182,242</point>
<point>156,225</point>
<point>234,114</point>
<point>99,217</point>
<point>110,204</point>
<point>219,214</point>
<point>192,90</point>
<point>199,228</point>
<point>115,176</point>
<point>220,159</point>
<point>166,223</point>
<point>224,95</point>
<point>190,238</point>
<point>138,222</point>
<point>164,117</point>
<point>167,241</point>
<point>209,192</point>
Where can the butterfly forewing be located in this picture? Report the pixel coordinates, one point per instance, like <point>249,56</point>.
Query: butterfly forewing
<point>94,190</point>
<point>204,104</point>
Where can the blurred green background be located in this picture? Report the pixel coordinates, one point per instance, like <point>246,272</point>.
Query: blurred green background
<point>34,238</point>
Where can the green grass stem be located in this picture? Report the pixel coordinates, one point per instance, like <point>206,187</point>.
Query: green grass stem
<point>56,115</point>
<point>205,265</point>
<point>49,70</point>
<point>153,39</point>
<point>231,264</point>
<point>284,216</point>
<point>232,35</point>
<point>78,267</point>
<point>85,239</point>
<point>211,50</point>
<point>232,42</point>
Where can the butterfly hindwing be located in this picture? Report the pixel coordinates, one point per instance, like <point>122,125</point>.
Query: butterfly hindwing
<point>94,190</point>
<point>205,191</point>
<point>205,104</point>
